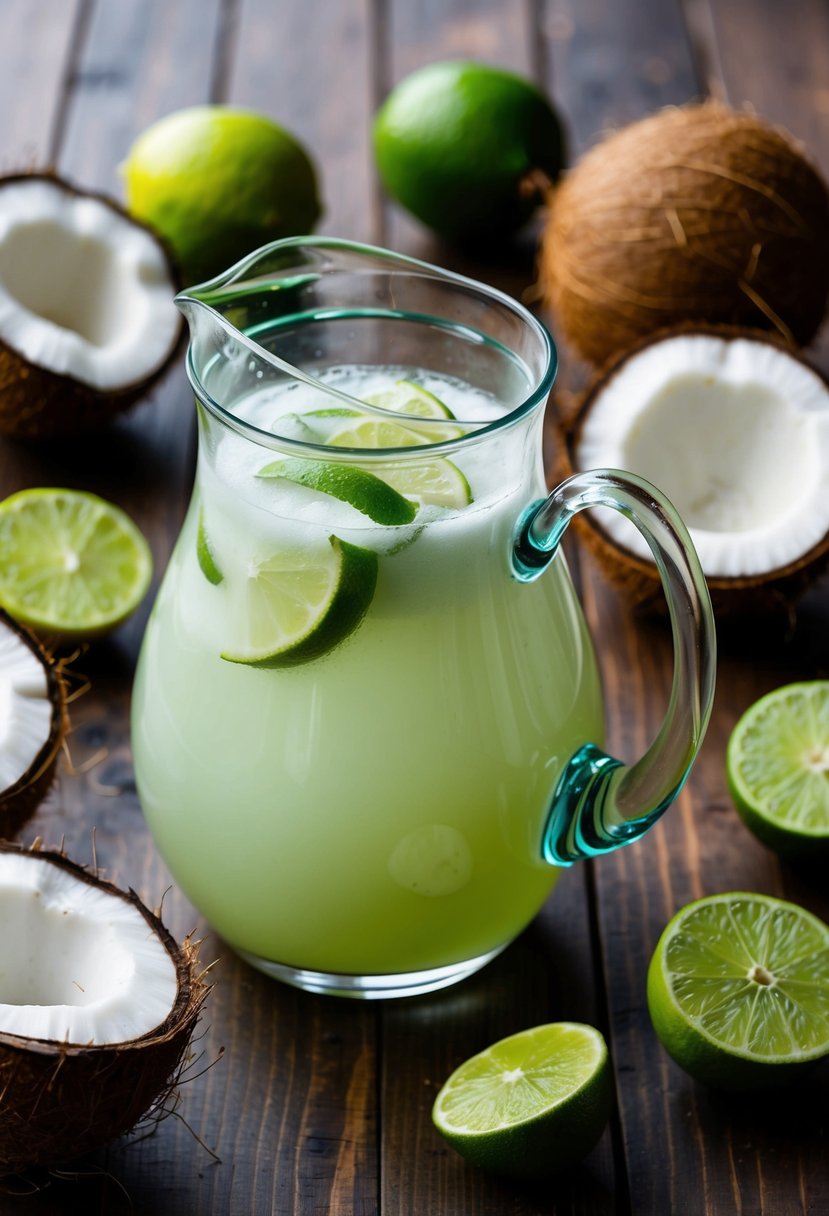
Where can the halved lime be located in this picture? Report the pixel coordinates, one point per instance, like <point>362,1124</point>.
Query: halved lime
<point>205,555</point>
<point>71,564</point>
<point>778,768</point>
<point>298,605</point>
<point>370,495</point>
<point>532,1103</point>
<point>738,990</point>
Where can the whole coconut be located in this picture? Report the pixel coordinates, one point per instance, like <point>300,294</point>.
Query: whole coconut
<point>693,214</point>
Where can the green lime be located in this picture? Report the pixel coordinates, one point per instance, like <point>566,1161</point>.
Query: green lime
<point>738,990</point>
<point>298,605</point>
<point>370,495</point>
<point>437,483</point>
<point>205,555</point>
<point>778,768</point>
<point>467,148</point>
<point>218,182</point>
<point>71,564</point>
<point>532,1103</point>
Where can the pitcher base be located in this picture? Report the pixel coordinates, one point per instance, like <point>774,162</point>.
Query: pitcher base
<point>371,987</point>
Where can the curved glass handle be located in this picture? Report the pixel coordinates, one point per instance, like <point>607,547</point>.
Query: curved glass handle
<point>600,803</point>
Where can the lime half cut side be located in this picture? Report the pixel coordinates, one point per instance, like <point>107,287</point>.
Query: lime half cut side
<point>778,768</point>
<point>532,1103</point>
<point>298,605</point>
<point>738,990</point>
<point>72,565</point>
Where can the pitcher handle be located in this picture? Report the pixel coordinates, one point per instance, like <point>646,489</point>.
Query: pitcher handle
<point>600,803</point>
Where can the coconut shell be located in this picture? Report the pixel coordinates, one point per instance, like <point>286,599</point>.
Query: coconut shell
<point>61,1100</point>
<point>20,801</point>
<point>637,579</point>
<point>694,213</point>
<point>36,403</point>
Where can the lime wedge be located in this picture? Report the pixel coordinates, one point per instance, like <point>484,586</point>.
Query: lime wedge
<point>368,494</point>
<point>205,556</point>
<point>73,566</point>
<point>532,1103</point>
<point>298,605</point>
<point>778,768</point>
<point>738,990</point>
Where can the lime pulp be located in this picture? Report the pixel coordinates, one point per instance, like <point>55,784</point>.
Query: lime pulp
<point>73,566</point>
<point>778,768</point>
<point>737,990</point>
<point>532,1103</point>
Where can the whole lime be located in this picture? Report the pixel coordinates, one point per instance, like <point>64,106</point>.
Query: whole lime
<point>468,149</point>
<point>217,182</point>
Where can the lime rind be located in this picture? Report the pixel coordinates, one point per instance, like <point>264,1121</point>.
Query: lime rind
<point>777,765</point>
<point>366,493</point>
<point>205,555</point>
<point>715,1017</point>
<point>74,565</point>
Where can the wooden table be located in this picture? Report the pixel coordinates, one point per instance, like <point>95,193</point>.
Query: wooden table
<point>320,1105</point>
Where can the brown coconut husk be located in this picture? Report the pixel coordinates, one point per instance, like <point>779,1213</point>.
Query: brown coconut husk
<point>694,213</point>
<point>638,580</point>
<point>63,1100</point>
<point>36,403</point>
<point>20,801</point>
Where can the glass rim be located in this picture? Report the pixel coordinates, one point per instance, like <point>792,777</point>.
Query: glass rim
<point>474,431</point>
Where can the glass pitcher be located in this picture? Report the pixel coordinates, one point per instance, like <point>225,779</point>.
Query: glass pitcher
<point>367,718</point>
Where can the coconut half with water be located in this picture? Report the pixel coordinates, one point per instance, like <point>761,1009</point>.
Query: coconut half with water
<point>87,320</point>
<point>97,1007</point>
<point>32,723</point>
<point>734,428</point>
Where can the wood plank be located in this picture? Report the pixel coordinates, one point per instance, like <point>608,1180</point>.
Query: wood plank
<point>325,103</point>
<point>687,1149</point>
<point>43,36</point>
<point>547,974</point>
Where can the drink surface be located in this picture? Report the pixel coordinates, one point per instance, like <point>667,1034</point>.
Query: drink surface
<point>378,809</point>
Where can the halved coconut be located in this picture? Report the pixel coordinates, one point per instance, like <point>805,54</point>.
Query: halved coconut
<point>97,1006</point>
<point>734,428</point>
<point>87,320</point>
<point>32,723</point>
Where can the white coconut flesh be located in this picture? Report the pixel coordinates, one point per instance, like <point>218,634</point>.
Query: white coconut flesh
<point>26,707</point>
<point>735,432</point>
<point>84,291</point>
<point>78,964</point>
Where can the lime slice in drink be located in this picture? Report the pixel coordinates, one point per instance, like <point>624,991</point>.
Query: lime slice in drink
<point>205,555</point>
<point>370,495</point>
<point>298,605</point>
<point>406,397</point>
<point>778,768</point>
<point>738,990</point>
<point>73,566</point>
<point>532,1103</point>
<point>434,482</point>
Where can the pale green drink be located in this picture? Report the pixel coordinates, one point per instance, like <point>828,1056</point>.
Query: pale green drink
<point>378,810</point>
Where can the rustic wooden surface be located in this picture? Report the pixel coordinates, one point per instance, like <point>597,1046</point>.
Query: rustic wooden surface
<point>317,1105</point>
